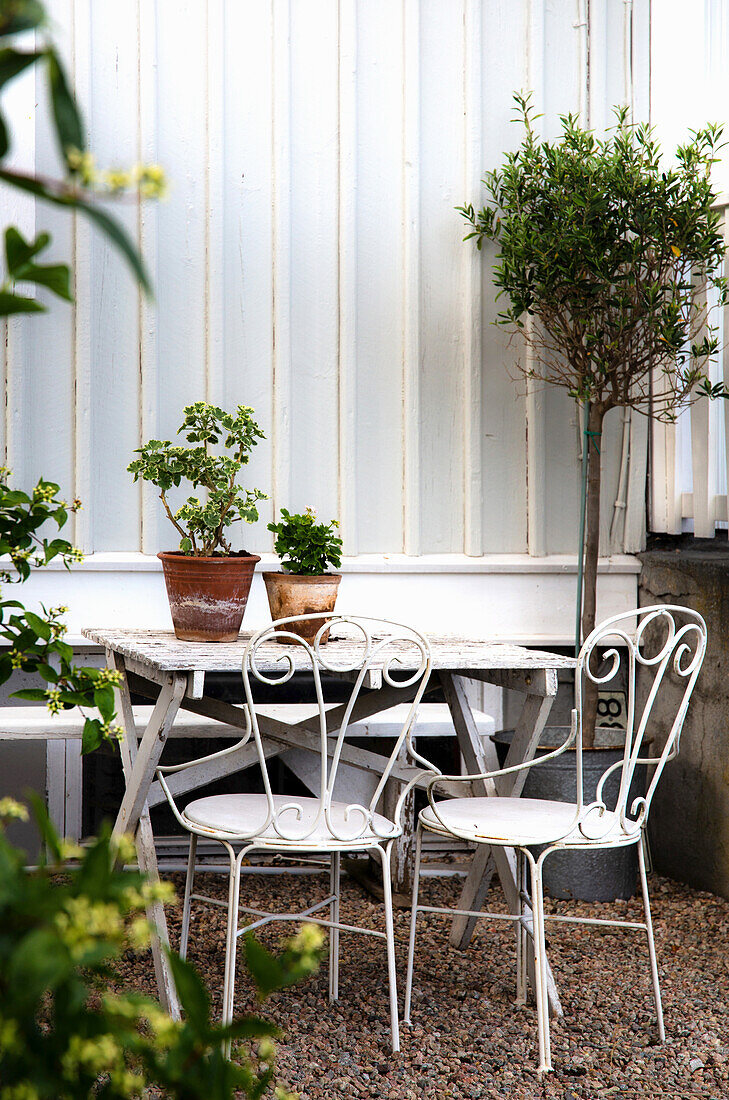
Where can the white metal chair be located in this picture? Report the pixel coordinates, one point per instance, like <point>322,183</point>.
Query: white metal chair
<point>669,643</point>
<point>292,826</point>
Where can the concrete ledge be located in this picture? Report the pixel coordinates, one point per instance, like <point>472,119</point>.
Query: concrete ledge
<point>508,597</point>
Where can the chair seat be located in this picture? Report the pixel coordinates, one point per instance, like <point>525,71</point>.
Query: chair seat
<point>239,815</point>
<point>523,821</point>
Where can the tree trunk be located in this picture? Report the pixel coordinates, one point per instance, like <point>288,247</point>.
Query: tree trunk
<point>591,552</point>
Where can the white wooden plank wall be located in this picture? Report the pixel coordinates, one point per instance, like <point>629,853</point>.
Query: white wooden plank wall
<point>309,262</point>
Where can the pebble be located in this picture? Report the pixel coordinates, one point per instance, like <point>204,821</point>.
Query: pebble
<point>469,1041</point>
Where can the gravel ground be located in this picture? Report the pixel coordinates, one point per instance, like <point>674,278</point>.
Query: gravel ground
<point>468,1038</point>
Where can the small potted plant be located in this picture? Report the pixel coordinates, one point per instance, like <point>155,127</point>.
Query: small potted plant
<point>304,586</point>
<point>207,582</point>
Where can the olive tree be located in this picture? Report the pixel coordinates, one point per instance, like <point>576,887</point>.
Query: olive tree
<point>606,259</point>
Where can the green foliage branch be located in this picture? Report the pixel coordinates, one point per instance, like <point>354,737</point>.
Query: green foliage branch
<point>65,1034</point>
<point>33,643</point>
<point>608,261</point>
<point>305,546</point>
<point>202,523</point>
<point>81,186</point>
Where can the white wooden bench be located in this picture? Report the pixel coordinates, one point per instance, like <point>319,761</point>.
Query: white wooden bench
<point>62,734</point>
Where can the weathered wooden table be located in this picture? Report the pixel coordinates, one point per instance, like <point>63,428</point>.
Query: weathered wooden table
<point>158,666</point>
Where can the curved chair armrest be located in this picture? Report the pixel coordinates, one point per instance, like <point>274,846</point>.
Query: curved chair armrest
<point>513,768</point>
<point>420,775</point>
<point>171,769</point>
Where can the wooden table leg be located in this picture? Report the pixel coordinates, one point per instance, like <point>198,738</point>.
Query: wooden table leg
<point>137,819</point>
<point>480,756</point>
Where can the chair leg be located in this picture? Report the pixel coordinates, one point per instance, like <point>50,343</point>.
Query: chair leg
<point>231,940</point>
<point>521,932</point>
<point>189,881</point>
<point>334,882</point>
<point>651,943</point>
<point>413,920</point>
<point>385,853</point>
<point>540,965</point>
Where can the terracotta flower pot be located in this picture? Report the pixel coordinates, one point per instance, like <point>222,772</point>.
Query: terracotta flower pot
<point>294,594</point>
<point>207,595</point>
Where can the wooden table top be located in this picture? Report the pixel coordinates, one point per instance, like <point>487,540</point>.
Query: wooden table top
<point>162,651</point>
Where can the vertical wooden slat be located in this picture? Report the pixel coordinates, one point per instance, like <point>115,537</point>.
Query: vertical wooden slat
<point>379,273</point>
<point>41,384</point>
<point>506,65</point>
<point>535,415</point>
<point>411,277</point>
<point>147,228</point>
<point>703,519</point>
<point>635,519</point>
<point>107,319</point>
<point>215,299</point>
<point>281,375</point>
<point>347,242</point>
<point>636,93</point>
<point>246,295</point>
<point>73,788</point>
<point>473,282</point>
<point>182,241</point>
<point>443,341</point>
<point>314,410</point>
<point>56,784</point>
<point>19,99</point>
<point>83,306</point>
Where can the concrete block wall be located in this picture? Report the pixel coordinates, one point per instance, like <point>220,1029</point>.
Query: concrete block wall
<point>689,824</point>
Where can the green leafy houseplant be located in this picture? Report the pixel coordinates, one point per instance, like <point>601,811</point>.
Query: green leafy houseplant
<point>304,587</point>
<point>305,546</point>
<point>605,259</point>
<point>207,583</point>
<point>202,524</point>
<point>65,1036</point>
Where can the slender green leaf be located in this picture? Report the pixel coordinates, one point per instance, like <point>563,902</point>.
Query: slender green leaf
<point>104,700</point>
<point>18,251</point>
<point>113,230</point>
<point>92,736</point>
<point>266,969</point>
<point>56,277</point>
<point>16,303</point>
<point>69,126</point>
<point>13,62</point>
<point>193,994</point>
<point>40,626</point>
<point>18,17</point>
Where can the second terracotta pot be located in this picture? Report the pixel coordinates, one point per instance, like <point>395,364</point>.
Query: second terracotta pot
<point>294,594</point>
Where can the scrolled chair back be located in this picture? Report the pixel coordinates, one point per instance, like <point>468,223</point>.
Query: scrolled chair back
<point>666,645</point>
<point>360,649</point>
